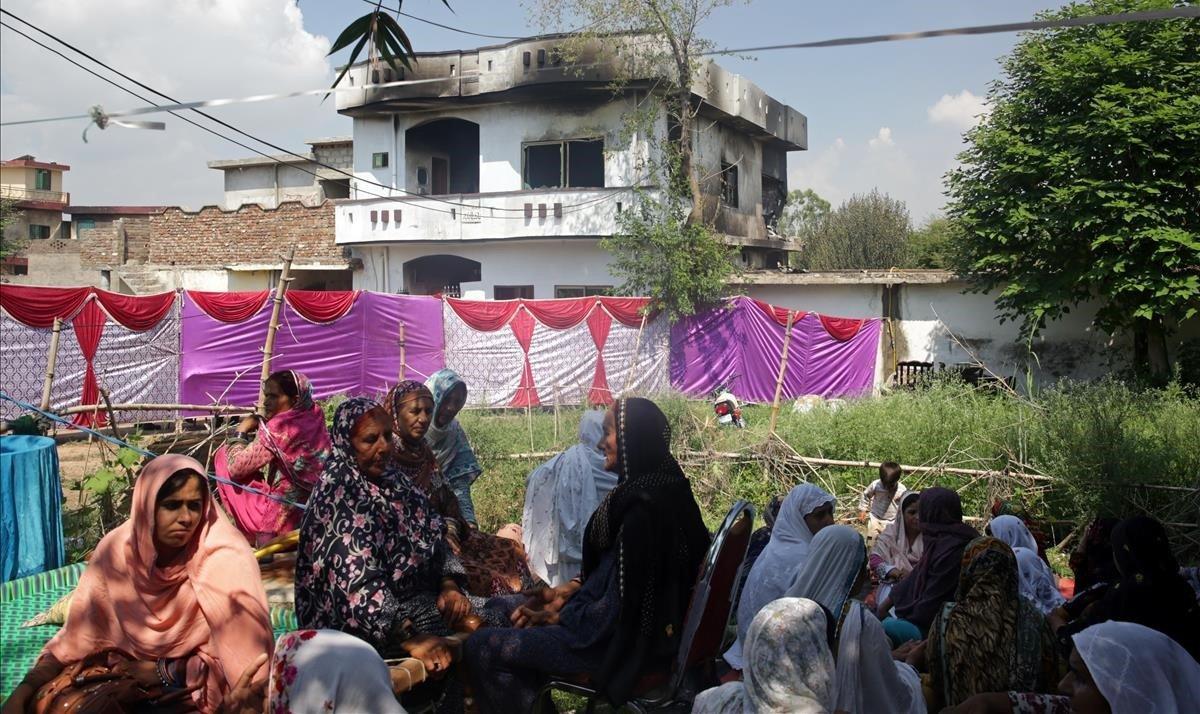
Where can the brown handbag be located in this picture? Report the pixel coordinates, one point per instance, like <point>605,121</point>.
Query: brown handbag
<point>93,686</point>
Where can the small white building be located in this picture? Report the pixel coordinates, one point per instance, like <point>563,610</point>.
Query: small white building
<point>498,173</point>
<point>271,180</point>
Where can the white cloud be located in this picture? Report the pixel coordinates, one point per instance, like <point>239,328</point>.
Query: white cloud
<point>961,111</point>
<point>189,49</point>
<point>883,138</point>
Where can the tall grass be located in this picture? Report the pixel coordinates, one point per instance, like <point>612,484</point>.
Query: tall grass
<point>1100,444</point>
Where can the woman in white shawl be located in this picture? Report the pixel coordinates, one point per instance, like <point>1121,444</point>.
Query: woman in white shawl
<point>326,671</point>
<point>805,511</point>
<point>899,547</point>
<point>560,497</point>
<point>1038,582</point>
<point>789,667</point>
<point>868,680</point>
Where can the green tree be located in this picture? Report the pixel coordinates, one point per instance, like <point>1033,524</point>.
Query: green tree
<point>933,245</point>
<point>802,214</point>
<point>9,244</point>
<point>867,231</point>
<point>1083,182</point>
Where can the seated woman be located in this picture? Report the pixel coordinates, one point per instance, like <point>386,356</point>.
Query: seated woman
<point>899,547</point>
<point>1039,584</point>
<point>1092,560</point>
<point>622,619</point>
<point>492,565</point>
<point>805,511</point>
<point>373,560</point>
<point>449,442</point>
<point>868,679</point>
<point>329,671</point>
<point>989,639</point>
<point>560,496</point>
<point>1115,667</point>
<point>1150,591</point>
<point>919,597</point>
<point>789,667</point>
<point>177,587</point>
<point>291,445</point>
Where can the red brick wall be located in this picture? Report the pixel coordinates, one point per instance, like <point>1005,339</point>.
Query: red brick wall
<point>212,236</point>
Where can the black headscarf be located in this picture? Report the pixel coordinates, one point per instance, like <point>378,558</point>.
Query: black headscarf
<point>652,519</point>
<point>1150,591</point>
<point>920,595</point>
<point>1092,563</point>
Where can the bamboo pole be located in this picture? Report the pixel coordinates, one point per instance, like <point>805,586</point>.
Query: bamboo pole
<point>51,363</point>
<point>556,416</point>
<point>143,407</point>
<point>783,361</point>
<point>273,327</point>
<point>112,416</point>
<point>403,354</point>
<point>637,347</point>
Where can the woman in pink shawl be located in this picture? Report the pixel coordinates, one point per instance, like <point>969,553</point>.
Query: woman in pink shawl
<point>176,587</point>
<point>293,443</point>
<point>899,546</point>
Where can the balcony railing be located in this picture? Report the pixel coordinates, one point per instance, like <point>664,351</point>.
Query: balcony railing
<point>21,193</point>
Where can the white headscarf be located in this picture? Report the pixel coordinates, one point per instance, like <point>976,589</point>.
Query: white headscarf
<point>836,557</point>
<point>1039,585</point>
<point>779,561</point>
<point>560,497</point>
<point>788,665</point>
<point>317,671</point>
<point>1139,670</point>
<point>868,679</point>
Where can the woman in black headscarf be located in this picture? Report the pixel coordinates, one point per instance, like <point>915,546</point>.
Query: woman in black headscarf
<point>1149,590</point>
<point>920,595</point>
<point>622,618</point>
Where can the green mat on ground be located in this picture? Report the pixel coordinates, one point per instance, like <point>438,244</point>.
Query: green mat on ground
<point>22,599</point>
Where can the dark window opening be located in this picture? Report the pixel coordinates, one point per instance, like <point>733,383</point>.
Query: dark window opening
<point>434,274</point>
<point>37,232</point>
<point>729,185</point>
<point>579,291</point>
<point>512,292</point>
<point>578,163</point>
<point>774,195</point>
<point>41,179</point>
<point>336,188</point>
<point>448,150</point>
<point>379,160</point>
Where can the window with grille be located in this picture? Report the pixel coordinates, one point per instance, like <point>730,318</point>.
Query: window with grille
<point>729,185</point>
<point>576,163</point>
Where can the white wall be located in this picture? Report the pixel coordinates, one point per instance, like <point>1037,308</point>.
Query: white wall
<point>540,263</point>
<point>257,184</point>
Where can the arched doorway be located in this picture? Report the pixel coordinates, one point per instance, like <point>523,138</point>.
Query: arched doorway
<point>442,157</point>
<point>434,274</point>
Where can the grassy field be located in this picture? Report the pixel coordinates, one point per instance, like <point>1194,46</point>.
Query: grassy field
<point>1099,448</point>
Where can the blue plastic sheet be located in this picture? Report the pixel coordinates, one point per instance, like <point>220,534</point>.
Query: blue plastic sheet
<point>31,535</point>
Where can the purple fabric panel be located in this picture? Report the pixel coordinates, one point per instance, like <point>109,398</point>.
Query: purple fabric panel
<point>762,350</point>
<point>839,369</point>
<point>356,354</point>
<point>705,351</point>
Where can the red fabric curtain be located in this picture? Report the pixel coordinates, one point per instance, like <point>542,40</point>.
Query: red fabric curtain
<point>321,305</point>
<point>37,307</point>
<point>560,314</point>
<point>137,313</point>
<point>841,328</point>
<point>599,323</point>
<point>89,326</point>
<point>229,307</point>
<point>485,315</point>
<point>522,326</point>
<point>627,311</point>
<point>780,314</point>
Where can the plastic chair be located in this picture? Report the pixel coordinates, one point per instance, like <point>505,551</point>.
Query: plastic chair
<point>704,624</point>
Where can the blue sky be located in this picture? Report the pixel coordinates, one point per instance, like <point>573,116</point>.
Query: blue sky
<point>874,115</point>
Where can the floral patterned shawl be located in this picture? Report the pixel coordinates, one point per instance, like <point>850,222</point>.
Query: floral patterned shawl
<point>298,438</point>
<point>362,542</point>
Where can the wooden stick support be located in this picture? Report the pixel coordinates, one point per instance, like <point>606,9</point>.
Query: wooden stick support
<point>51,363</point>
<point>403,354</point>
<point>143,407</point>
<point>273,327</point>
<point>783,360</point>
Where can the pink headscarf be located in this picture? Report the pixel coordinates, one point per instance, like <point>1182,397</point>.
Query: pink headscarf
<point>298,437</point>
<point>212,607</point>
<point>892,547</point>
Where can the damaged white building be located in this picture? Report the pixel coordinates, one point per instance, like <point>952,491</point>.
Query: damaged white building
<point>499,171</point>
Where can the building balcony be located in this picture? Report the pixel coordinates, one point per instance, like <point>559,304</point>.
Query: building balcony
<point>547,213</point>
<point>42,199</point>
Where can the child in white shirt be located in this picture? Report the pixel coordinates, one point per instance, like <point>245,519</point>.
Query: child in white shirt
<point>880,502</point>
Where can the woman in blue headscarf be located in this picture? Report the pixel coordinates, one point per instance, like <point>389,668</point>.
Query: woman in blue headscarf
<point>449,442</point>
